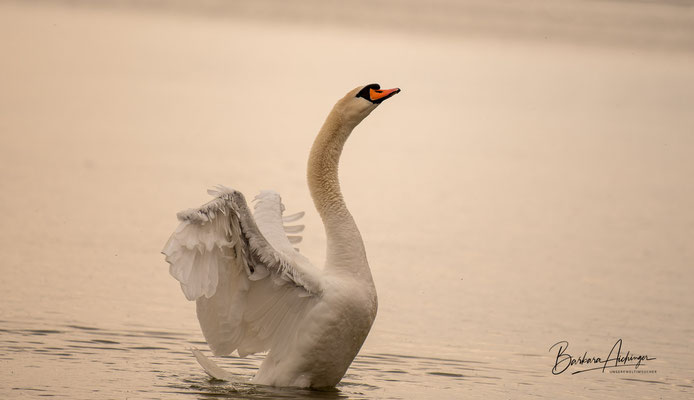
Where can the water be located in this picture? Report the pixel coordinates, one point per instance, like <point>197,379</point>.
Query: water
<point>519,192</point>
<point>143,363</point>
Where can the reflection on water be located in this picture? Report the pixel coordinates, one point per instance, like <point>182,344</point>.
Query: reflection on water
<point>90,355</point>
<point>517,193</point>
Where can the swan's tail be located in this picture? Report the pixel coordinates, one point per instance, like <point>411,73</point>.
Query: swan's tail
<point>210,367</point>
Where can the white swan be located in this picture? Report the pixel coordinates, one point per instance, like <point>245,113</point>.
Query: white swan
<point>256,293</point>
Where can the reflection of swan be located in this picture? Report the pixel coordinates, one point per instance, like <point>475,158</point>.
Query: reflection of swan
<point>256,293</point>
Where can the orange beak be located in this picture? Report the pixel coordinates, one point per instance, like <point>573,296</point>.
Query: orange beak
<point>380,95</point>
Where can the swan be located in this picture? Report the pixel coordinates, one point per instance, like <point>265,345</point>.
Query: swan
<point>255,292</point>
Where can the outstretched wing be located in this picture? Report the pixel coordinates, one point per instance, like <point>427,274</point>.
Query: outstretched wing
<point>252,288</point>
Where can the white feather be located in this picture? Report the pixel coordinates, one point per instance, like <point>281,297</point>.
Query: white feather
<point>293,217</point>
<point>293,228</point>
<point>294,239</point>
<point>210,367</point>
<point>222,257</point>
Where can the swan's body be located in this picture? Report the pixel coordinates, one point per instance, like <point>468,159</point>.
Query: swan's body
<point>256,293</point>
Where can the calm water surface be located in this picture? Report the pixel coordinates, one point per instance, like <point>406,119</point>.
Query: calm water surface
<point>516,194</point>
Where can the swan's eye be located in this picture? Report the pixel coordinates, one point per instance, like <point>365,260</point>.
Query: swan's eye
<point>364,93</point>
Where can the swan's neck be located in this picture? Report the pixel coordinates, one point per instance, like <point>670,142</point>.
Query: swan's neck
<point>345,251</point>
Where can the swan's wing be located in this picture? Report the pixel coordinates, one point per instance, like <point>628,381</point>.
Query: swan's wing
<point>268,213</point>
<point>250,295</point>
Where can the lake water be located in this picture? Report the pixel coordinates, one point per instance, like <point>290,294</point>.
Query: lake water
<point>533,183</point>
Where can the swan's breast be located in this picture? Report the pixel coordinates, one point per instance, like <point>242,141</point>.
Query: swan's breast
<point>334,331</point>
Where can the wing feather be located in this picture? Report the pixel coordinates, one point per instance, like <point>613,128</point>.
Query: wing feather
<point>293,217</point>
<point>251,286</point>
<point>293,228</point>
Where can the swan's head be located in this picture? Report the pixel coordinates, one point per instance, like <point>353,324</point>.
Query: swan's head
<point>359,103</point>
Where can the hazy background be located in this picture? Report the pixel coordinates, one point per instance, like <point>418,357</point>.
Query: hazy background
<point>532,183</point>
